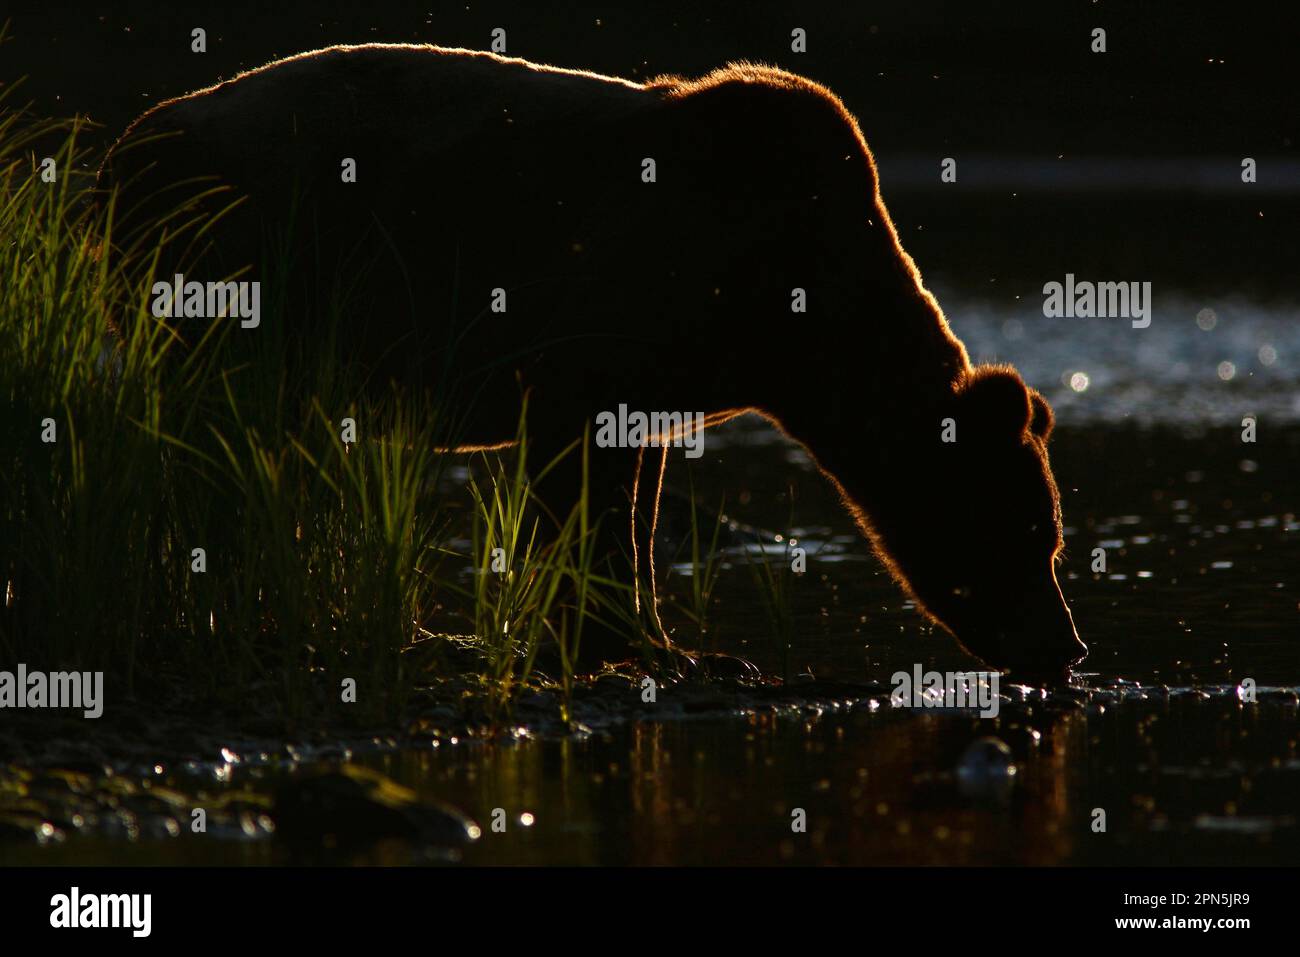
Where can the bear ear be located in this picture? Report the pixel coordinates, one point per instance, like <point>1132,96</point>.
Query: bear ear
<point>1042,420</point>
<point>998,402</point>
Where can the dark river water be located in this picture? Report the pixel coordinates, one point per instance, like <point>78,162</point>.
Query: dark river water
<point>1180,729</point>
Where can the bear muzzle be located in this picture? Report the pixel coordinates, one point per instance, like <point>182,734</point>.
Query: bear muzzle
<point>1045,646</point>
<point>1031,636</point>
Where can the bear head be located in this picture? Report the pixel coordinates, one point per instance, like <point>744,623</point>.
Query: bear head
<point>973,532</point>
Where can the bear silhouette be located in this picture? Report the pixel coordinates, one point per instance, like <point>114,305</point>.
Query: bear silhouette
<point>495,224</point>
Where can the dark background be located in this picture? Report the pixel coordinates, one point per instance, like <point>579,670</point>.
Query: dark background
<point>1124,164</point>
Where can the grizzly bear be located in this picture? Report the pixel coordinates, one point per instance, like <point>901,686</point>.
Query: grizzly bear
<point>714,246</point>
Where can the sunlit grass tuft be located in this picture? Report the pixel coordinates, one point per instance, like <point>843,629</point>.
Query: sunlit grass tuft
<point>187,519</point>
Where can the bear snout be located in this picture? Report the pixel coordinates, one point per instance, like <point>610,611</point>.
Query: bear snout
<point>1047,648</point>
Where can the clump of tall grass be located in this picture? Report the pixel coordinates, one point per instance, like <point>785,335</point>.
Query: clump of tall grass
<point>706,563</point>
<point>528,591</point>
<point>79,529</point>
<point>189,518</point>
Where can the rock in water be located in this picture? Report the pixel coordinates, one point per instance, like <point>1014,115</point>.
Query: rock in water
<point>351,806</point>
<point>986,769</point>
